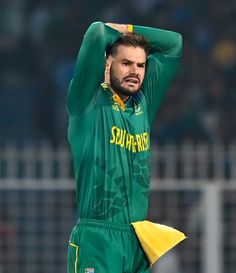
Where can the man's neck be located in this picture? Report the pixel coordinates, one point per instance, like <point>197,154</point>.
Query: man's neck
<point>122,97</point>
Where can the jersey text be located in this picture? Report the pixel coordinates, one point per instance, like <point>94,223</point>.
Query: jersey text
<point>134,143</point>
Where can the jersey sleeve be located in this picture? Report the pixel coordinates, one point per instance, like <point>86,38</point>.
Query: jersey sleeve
<point>89,67</point>
<point>165,52</point>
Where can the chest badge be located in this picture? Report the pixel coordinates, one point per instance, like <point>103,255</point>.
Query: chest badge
<point>138,109</point>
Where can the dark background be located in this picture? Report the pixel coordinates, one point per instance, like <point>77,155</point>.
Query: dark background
<point>39,42</point>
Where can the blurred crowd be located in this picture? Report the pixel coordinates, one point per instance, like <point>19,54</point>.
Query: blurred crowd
<point>39,43</point>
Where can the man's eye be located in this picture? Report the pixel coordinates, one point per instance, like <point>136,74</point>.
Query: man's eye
<point>126,63</point>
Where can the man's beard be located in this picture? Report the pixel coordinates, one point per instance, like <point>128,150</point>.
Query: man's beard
<point>115,84</point>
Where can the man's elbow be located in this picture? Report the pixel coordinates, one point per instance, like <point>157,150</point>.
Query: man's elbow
<point>95,26</point>
<point>95,30</point>
<point>177,46</point>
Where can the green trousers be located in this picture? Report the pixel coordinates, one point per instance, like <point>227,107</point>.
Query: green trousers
<point>98,246</point>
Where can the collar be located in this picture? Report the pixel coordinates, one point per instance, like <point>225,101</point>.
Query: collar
<point>116,98</point>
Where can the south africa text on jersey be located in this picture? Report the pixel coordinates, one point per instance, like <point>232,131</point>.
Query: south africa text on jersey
<point>134,143</point>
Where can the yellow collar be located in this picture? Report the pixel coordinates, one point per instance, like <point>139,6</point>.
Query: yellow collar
<point>115,96</point>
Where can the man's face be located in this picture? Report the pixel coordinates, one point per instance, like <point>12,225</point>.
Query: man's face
<point>127,70</point>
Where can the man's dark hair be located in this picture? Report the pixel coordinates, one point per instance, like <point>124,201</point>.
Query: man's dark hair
<point>129,39</point>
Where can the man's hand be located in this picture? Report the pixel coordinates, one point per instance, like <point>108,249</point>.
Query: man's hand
<point>109,61</point>
<point>119,27</point>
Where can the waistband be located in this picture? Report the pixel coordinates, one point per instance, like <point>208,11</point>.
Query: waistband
<point>104,224</point>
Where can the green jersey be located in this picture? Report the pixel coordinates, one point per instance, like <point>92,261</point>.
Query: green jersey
<point>110,144</point>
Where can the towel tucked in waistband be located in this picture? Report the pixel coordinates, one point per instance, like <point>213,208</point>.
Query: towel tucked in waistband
<point>156,239</point>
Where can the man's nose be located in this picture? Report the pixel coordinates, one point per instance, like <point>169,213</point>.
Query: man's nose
<point>134,69</point>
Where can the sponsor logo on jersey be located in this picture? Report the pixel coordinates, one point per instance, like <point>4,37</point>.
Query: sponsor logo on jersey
<point>138,109</point>
<point>89,270</point>
<point>135,143</point>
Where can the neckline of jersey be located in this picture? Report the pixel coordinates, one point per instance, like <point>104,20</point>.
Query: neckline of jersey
<point>116,98</point>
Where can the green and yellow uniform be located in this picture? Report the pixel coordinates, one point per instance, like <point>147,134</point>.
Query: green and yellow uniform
<point>110,144</point>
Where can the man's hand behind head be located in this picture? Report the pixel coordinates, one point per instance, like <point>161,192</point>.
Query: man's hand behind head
<point>122,28</point>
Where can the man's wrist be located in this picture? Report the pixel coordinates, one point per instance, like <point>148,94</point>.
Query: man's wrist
<point>130,28</point>
<point>121,27</point>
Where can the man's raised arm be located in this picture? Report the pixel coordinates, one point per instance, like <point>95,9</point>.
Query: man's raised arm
<point>90,65</point>
<point>165,53</point>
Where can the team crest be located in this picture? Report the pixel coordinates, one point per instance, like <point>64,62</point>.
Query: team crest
<point>89,270</point>
<point>138,109</point>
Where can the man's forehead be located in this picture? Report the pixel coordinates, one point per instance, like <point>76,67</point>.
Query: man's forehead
<point>131,53</point>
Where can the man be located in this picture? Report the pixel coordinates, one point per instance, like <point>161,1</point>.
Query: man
<point>118,84</point>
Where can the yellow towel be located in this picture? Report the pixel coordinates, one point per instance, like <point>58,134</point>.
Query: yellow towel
<point>156,239</point>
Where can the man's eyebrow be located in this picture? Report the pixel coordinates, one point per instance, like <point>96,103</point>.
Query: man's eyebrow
<point>126,60</point>
<point>129,61</point>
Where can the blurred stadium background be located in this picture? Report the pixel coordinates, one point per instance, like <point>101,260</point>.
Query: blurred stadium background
<point>194,147</point>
